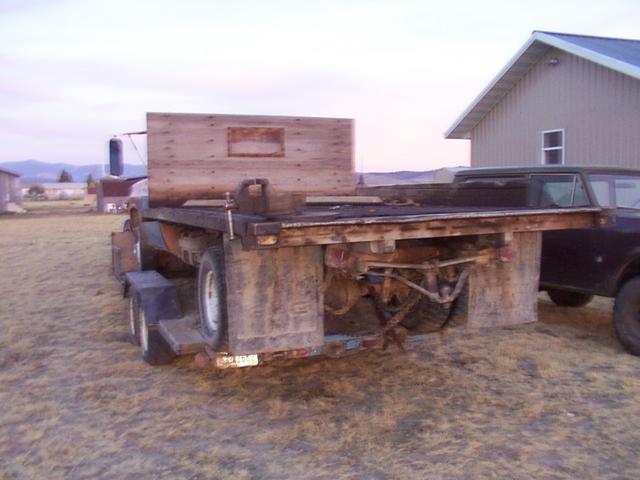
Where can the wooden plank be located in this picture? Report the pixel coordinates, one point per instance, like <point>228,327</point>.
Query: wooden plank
<point>445,225</point>
<point>342,200</point>
<point>123,254</point>
<point>274,298</point>
<point>394,227</point>
<point>506,293</point>
<point>190,155</point>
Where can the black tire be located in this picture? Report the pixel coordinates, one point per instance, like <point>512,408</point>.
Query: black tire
<point>212,297</point>
<point>133,317</point>
<point>155,349</point>
<point>626,316</point>
<point>566,298</point>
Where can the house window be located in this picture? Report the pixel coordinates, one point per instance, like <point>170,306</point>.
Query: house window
<point>553,147</point>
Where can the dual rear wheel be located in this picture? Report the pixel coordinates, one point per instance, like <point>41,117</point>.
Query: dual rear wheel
<point>153,347</point>
<point>212,297</point>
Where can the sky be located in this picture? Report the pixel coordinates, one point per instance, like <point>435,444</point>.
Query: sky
<point>74,73</point>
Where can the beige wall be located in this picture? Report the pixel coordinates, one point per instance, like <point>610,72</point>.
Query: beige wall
<point>598,108</point>
<point>9,191</point>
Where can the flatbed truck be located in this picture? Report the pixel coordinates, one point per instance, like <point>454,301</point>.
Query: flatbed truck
<point>257,246</point>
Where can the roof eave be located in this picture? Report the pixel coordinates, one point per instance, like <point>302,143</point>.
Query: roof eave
<point>467,133</point>
<point>458,131</point>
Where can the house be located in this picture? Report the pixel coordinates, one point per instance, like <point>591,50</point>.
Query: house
<point>65,190</point>
<point>562,99</point>
<point>113,193</point>
<point>10,193</point>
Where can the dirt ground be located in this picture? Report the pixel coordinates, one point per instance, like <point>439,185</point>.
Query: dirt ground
<point>554,399</point>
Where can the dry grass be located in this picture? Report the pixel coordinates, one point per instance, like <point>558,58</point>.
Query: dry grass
<point>556,399</point>
<point>58,206</point>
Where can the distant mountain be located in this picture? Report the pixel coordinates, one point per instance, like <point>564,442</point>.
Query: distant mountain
<point>35,171</point>
<point>394,178</point>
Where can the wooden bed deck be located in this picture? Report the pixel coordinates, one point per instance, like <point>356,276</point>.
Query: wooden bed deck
<point>355,223</point>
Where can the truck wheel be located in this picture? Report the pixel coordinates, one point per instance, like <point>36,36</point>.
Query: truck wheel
<point>134,334</point>
<point>154,348</point>
<point>566,298</point>
<point>212,296</point>
<point>626,316</point>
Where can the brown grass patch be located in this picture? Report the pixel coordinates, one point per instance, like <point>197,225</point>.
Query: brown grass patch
<point>555,399</point>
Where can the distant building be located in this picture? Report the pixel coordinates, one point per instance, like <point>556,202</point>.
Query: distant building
<point>65,190</point>
<point>10,194</point>
<point>113,193</point>
<point>562,99</point>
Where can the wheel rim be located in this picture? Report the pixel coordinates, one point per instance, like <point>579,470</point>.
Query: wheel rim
<point>138,252</point>
<point>211,304</point>
<point>144,332</point>
<point>132,318</point>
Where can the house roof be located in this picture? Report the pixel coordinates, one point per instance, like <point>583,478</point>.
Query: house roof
<point>615,53</point>
<point>9,172</point>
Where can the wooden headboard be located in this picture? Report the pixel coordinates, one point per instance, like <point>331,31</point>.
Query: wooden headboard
<point>202,156</point>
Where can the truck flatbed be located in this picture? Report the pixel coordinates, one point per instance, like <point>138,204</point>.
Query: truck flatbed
<point>354,223</point>
<point>281,254</point>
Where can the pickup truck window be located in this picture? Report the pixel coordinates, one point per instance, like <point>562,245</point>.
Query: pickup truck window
<point>616,190</point>
<point>549,191</point>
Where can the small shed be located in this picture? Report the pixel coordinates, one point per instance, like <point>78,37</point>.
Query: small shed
<point>10,193</point>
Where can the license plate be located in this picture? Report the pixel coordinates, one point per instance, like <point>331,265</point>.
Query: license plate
<point>246,360</point>
<point>231,361</point>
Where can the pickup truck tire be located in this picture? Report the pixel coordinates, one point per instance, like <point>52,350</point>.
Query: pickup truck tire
<point>566,298</point>
<point>212,296</point>
<point>626,316</point>
<point>155,349</point>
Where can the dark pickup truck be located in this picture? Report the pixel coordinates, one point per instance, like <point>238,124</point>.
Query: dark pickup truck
<point>577,264</point>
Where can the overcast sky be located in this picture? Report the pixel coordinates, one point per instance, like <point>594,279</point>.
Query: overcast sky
<point>76,72</point>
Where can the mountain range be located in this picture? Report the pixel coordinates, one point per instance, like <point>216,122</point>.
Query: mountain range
<point>34,171</point>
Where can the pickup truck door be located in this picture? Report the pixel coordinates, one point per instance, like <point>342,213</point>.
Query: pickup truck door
<point>567,255</point>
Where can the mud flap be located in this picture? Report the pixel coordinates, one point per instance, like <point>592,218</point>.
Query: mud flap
<point>506,293</point>
<point>274,298</point>
<point>124,257</point>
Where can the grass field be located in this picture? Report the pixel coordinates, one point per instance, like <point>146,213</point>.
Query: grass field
<point>554,399</point>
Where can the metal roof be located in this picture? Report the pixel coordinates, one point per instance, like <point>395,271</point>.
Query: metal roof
<point>615,53</point>
<point>529,169</point>
<point>9,172</point>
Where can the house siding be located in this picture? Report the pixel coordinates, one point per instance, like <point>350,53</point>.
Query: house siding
<point>9,190</point>
<point>598,108</point>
